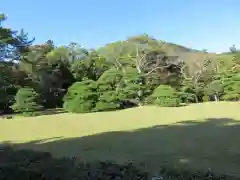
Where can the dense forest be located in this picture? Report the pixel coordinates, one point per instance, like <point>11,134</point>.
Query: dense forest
<point>137,71</point>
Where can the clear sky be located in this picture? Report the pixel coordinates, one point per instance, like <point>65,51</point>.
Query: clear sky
<point>202,24</point>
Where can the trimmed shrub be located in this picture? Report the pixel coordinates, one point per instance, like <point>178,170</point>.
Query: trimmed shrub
<point>133,85</point>
<point>214,90</point>
<point>232,88</point>
<point>186,97</point>
<point>111,78</point>
<point>108,101</point>
<point>165,96</point>
<point>81,97</point>
<point>109,89</point>
<point>232,96</point>
<point>27,102</point>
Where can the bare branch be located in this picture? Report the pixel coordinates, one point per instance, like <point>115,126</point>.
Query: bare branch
<point>182,68</point>
<point>139,61</point>
<point>235,67</point>
<point>137,50</point>
<point>119,65</point>
<point>143,61</point>
<point>158,67</point>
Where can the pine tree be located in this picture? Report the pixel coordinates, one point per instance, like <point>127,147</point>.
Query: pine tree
<point>27,102</point>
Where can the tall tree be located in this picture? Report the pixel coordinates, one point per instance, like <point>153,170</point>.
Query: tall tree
<point>13,45</point>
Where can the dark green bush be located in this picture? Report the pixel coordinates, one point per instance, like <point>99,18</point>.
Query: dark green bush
<point>133,84</point>
<point>186,97</point>
<point>232,88</point>
<point>180,174</point>
<point>109,88</point>
<point>81,97</point>
<point>112,77</point>
<point>7,94</point>
<point>27,102</point>
<point>232,96</point>
<point>108,101</point>
<point>24,164</point>
<point>165,96</point>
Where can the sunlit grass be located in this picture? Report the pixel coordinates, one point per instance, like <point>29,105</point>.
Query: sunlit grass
<point>25,129</point>
<point>197,143</point>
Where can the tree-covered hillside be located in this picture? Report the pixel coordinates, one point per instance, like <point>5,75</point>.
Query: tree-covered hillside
<point>139,70</point>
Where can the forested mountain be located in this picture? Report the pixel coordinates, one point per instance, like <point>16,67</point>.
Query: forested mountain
<point>137,71</point>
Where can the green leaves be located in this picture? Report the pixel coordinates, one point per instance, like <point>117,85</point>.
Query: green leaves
<point>13,45</point>
<point>123,71</point>
<point>90,66</point>
<point>27,101</point>
<point>165,96</point>
<point>232,88</point>
<point>81,97</point>
<point>215,88</point>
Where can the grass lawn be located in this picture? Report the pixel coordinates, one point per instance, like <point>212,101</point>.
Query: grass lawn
<point>199,136</point>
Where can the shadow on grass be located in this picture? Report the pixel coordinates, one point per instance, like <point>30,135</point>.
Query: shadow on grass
<point>214,144</point>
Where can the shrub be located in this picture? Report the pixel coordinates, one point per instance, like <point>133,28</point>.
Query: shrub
<point>7,94</point>
<point>108,101</point>
<point>111,78</point>
<point>165,96</point>
<point>186,97</point>
<point>189,94</point>
<point>215,89</point>
<point>134,87</point>
<point>232,88</point>
<point>232,96</point>
<point>27,102</point>
<point>26,164</point>
<point>109,88</point>
<point>81,97</point>
<point>181,174</point>
<point>205,98</point>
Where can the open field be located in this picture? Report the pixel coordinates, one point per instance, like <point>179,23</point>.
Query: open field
<point>199,136</point>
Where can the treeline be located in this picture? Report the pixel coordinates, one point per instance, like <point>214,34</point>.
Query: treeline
<point>134,72</point>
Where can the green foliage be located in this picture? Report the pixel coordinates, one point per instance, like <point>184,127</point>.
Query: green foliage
<point>48,71</point>
<point>109,100</point>
<point>216,89</point>
<point>188,93</point>
<point>133,84</point>
<point>81,97</point>
<point>110,79</point>
<point>26,164</point>
<point>232,87</point>
<point>27,101</point>
<point>9,85</point>
<point>165,96</point>
<point>124,71</point>
<point>13,44</point>
<point>109,90</point>
<point>7,94</point>
<point>205,98</point>
<point>90,66</point>
<point>181,174</point>
<point>186,97</point>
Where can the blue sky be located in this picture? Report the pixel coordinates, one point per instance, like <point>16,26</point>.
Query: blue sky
<point>210,24</point>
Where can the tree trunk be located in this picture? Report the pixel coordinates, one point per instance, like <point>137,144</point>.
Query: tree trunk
<point>196,98</point>
<point>215,98</point>
<point>140,91</point>
<point>140,94</point>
